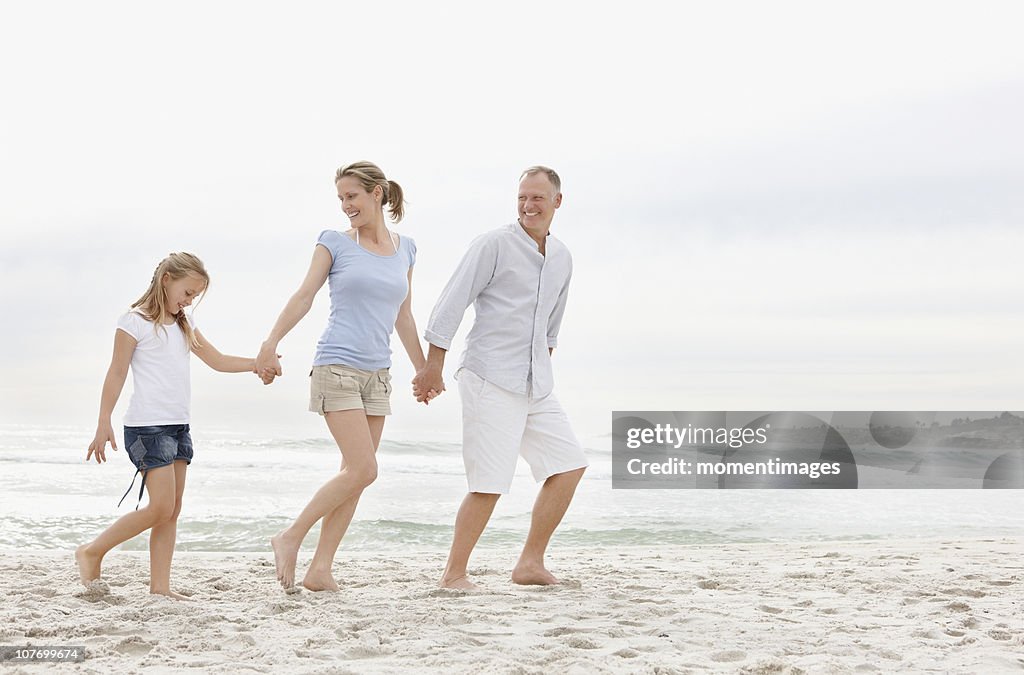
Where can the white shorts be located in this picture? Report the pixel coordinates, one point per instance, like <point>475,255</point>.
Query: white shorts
<point>499,425</point>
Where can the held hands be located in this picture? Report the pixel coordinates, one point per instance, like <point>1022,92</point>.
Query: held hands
<point>268,365</point>
<point>104,433</point>
<point>427,385</point>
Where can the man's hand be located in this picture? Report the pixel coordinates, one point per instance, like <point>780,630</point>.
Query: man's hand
<point>428,384</point>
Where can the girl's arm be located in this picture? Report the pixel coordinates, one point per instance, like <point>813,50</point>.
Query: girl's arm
<point>222,363</point>
<point>405,326</point>
<point>297,307</point>
<point>124,347</point>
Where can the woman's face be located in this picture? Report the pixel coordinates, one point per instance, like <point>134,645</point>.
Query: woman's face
<point>360,206</point>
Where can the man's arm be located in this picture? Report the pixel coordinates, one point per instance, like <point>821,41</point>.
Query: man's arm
<point>555,320</point>
<point>471,277</point>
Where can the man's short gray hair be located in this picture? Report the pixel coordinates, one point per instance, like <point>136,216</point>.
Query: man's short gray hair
<point>547,171</point>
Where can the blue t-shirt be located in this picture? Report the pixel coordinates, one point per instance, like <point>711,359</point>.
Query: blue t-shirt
<point>366,292</point>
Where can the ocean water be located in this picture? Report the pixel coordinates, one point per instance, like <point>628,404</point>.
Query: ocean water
<point>241,490</point>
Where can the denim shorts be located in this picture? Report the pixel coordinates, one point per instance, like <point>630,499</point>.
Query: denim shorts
<point>153,447</point>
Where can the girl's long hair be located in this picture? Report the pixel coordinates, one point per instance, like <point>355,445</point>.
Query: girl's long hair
<point>153,303</point>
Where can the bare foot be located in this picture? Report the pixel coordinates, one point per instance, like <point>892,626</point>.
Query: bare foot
<point>285,555</point>
<point>319,581</point>
<point>460,583</point>
<point>88,565</point>
<point>171,594</point>
<point>532,574</point>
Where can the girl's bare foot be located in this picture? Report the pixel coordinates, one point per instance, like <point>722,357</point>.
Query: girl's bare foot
<point>319,581</point>
<point>88,565</point>
<point>285,554</point>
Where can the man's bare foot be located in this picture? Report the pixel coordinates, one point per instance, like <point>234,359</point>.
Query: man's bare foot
<point>319,581</point>
<point>285,554</point>
<point>532,574</point>
<point>170,594</point>
<point>460,583</point>
<point>88,565</point>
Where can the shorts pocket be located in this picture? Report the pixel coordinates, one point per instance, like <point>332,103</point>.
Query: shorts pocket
<point>137,452</point>
<point>342,380</point>
<point>384,378</point>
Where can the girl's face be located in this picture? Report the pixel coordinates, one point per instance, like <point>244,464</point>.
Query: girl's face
<point>181,292</point>
<point>359,205</point>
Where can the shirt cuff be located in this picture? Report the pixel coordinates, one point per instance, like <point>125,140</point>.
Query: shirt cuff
<point>552,341</point>
<point>437,340</point>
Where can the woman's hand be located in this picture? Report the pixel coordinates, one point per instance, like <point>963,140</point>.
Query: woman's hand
<point>268,364</point>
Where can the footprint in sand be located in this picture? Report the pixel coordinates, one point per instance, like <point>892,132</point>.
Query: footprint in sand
<point>581,642</point>
<point>728,656</point>
<point>94,591</point>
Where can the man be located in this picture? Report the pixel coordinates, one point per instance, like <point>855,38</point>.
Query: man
<point>517,278</point>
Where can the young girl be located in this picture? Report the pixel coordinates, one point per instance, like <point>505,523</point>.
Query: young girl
<point>155,339</point>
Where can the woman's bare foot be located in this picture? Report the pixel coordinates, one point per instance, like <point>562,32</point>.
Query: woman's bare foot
<point>532,574</point>
<point>88,565</point>
<point>459,583</point>
<point>319,581</point>
<point>286,552</point>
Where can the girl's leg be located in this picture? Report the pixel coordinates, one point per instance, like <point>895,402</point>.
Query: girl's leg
<point>162,538</point>
<point>352,434</point>
<point>160,486</point>
<point>319,577</point>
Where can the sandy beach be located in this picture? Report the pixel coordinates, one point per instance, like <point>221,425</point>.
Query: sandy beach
<point>880,606</point>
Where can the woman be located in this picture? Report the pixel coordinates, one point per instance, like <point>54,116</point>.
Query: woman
<point>370,272</point>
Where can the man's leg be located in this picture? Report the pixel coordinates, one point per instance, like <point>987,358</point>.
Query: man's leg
<point>492,426</point>
<point>552,450</point>
<point>548,510</point>
<point>473,515</point>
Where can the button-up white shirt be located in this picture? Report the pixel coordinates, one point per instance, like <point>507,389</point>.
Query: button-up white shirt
<point>519,297</point>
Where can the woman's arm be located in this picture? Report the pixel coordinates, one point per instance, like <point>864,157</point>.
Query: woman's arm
<point>124,347</point>
<point>405,326</point>
<point>297,307</point>
<point>222,363</point>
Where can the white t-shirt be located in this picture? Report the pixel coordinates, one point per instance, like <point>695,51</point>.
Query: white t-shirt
<point>160,372</point>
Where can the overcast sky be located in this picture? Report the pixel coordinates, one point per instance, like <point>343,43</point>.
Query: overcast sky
<point>810,206</point>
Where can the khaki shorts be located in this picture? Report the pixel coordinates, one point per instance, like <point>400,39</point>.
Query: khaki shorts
<point>337,387</point>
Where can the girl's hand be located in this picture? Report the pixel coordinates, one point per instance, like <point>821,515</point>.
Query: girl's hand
<point>104,433</point>
<point>268,362</point>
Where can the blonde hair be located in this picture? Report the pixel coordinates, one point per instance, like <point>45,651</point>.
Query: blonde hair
<point>370,176</point>
<point>547,171</point>
<point>153,303</point>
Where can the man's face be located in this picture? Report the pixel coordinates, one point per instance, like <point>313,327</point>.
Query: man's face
<point>537,202</point>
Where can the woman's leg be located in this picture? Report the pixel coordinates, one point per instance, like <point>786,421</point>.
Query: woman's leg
<point>318,576</point>
<point>352,434</point>
<point>160,486</point>
<point>162,538</point>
